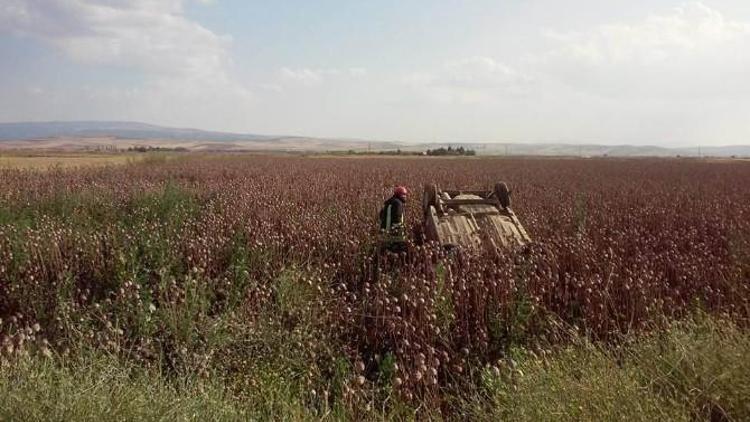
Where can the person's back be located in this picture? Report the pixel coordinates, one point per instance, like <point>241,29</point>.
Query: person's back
<point>392,225</point>
<point>392,214</point>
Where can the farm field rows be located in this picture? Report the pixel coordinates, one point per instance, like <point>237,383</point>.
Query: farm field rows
<point>257,274</point>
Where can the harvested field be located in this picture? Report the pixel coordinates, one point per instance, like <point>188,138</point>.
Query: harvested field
<point>44,161</point>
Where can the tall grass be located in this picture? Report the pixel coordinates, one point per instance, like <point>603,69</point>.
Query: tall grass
<point>694,370</point>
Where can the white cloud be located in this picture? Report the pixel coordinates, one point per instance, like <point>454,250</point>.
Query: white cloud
<point>305,76</point>
<point>180,61</point>
<point>675,74</point>
<point>469,80</point>
<point>309,76</point>
<point>689,29</point>
<point>149,35</point>
<point>691,52</point>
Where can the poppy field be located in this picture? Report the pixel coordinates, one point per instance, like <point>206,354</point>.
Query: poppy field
<point>261,271</point>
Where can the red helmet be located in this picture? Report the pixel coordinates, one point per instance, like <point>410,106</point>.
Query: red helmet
<point>400,191</point>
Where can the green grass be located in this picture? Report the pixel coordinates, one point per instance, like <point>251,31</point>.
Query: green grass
<point>696,370</point>
<point>99,388</point>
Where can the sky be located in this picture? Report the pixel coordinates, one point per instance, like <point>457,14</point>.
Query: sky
<point>657,72</point>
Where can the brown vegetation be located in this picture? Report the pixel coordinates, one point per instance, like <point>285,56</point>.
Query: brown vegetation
<point>242,267</point>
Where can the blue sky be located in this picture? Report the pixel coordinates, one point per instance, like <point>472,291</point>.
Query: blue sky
<point>643,72</point>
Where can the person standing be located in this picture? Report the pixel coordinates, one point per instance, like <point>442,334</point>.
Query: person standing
<point>392,221</point>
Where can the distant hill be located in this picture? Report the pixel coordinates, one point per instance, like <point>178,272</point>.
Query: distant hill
<point>98,134</point>
<point>85,135</point>
<point>121,130</point>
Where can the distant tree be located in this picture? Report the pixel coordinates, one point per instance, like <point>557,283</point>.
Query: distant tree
<point>442,151</point>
